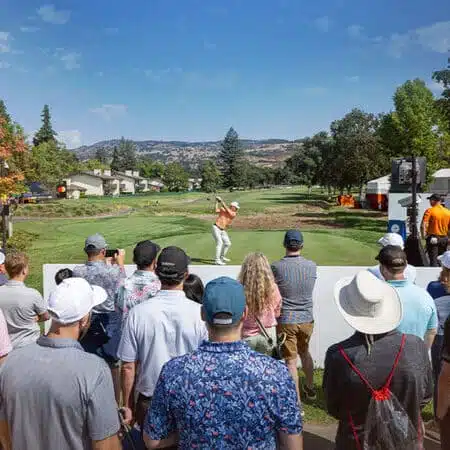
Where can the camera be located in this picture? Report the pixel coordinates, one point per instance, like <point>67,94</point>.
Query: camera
<point>111,253</point>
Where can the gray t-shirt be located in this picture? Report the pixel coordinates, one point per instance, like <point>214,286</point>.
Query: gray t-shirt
<point>295,277</point>
<point>21,305</point>
<point>53,395</point>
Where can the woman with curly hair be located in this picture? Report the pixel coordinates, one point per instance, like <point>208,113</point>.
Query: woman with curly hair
<point>263,301</point>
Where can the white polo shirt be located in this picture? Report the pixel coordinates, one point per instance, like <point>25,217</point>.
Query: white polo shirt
<point>163,327</point>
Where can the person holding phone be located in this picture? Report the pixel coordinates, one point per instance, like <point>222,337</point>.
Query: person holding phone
<point>106,269</point>
<point>225,216</point>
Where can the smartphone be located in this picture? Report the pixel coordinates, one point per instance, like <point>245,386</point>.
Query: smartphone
<point>111,253</point>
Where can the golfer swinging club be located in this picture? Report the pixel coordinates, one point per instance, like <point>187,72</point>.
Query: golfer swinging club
<point>224,219</point>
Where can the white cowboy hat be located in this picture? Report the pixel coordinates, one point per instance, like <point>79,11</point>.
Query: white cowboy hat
<point>392,239</point>
<point>368,304</point>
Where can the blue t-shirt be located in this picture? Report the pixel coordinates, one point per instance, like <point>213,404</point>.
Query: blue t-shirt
<point>419,310</point>
<point>442,302</point>
<point>224,395</point>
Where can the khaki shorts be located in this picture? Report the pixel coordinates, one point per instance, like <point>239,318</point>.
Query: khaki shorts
<point>298,336</point>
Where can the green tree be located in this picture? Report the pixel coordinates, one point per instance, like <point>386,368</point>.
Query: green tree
<point>231,157</point>
<point>211,177</point>
<point>443,103</point>
<point>358,155</point>
<point>50,163</point>
<point>116,164</point>
<point>46,132</point>
<point>93,164</point>
<point>102,155</point>
<point>124,156</point>
<point>151,169</point>
<point>175,177</point>
<point>416,121</point>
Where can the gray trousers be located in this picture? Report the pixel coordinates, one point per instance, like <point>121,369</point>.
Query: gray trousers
<point>223,242</point>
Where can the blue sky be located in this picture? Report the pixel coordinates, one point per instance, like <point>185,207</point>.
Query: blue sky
<point>190,69</point>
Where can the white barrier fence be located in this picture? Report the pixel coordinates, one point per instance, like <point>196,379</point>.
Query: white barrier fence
<point>329,326</point>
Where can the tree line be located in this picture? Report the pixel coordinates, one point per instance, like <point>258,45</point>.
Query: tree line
<point>356,148</point>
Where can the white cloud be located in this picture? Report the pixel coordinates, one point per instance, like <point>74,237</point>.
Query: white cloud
<point>4,65</point>
<point>110,111</point>
<point>315,90</point>
<point>435,37</point>
<point>323,24</point>
<point>355,31</point>
<point>352,79</point>
<point>29,29</point>
<point>72,138</point>
<point>435,87</point>
<point>48,13</point>
<point>4,42</point>
<point>71,60</point>
<point>398,43</point>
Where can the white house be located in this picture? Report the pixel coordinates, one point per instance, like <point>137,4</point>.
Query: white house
<point>194,183</point>
<point>127,182</point>
<point>155,185</point>
<point>95,183</point>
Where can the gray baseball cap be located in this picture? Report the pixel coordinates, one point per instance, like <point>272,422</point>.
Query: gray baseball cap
<point>95,242</point>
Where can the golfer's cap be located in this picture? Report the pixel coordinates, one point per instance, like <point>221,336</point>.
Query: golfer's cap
<point>436,197</point>
<point>224,301</point>
<point>235,204</point>
<point>2,257</point>
<point>172,263</point>
<point>293,236</point>
<point>95,242</point>
<point>392,256</point>
<point>73,299</point>
<point>392,239</point>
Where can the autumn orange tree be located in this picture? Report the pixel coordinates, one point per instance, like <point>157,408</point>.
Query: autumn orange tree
<point>12,151</point>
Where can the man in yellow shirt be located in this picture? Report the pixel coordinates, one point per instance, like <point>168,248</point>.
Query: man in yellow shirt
<point>223,221</point>
<point>435,229</point>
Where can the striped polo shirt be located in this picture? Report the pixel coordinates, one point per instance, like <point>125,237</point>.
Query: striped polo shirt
<point>296,277</point>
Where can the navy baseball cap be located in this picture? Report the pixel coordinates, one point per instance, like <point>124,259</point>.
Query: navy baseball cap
<point>224,296</point>
<point>292,236</point>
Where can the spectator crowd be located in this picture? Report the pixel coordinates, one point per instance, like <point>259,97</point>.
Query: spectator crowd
<point>158,360</point>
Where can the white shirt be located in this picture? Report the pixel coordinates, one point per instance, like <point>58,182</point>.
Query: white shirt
<point>410,273</point>
<point>157,330</point>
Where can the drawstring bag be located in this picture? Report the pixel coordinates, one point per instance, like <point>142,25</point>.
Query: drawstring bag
<point>387,425</point>
<point>275,346</point>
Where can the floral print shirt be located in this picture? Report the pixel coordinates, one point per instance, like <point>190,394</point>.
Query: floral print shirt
<point>224,396</point>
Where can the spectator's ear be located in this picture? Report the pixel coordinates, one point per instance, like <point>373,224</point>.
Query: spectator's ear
<point>245,314</point>
<point>202,313</point>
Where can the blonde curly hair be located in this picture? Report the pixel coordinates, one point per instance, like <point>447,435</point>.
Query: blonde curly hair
<point>257,278</point>
<point>444,278</point>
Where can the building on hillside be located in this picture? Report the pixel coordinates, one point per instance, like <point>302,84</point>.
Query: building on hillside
<point>194,184</point>
<point>441,182</point>
<point>155,185</point>
<point>96,183</point>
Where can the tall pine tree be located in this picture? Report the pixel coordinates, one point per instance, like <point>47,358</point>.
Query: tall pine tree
<point>124,156</point>
<point>116,163</point>
<point>231,157</point>
<point>46,133</point>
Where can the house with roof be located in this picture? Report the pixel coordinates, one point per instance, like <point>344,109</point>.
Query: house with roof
<point>95,182</point>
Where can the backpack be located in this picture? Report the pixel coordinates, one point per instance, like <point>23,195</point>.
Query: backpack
<point>387,425</point>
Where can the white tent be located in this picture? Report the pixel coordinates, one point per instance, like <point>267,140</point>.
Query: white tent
<point>379,186</point>
<point>441,182</point>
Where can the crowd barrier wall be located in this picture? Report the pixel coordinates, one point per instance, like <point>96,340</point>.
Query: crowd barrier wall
<point>329,326</point>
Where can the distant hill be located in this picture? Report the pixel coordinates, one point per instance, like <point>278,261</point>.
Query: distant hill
<point>269,152</point>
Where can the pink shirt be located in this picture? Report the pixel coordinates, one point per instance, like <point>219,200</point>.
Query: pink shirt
<point>5,343</point>
<point>268,318</point>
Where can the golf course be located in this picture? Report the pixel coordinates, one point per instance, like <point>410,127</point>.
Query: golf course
<point>56,231</point>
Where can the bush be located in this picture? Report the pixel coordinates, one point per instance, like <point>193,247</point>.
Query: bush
<point>21,241</point>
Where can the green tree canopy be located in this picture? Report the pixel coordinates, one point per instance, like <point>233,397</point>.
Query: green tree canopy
<point>102,155</point>
<point>175,177</point>
<point>211,177</point>
<point>124,156</point>
<point>231,157</point>
<point>46,132</point>
<point>151,169</point>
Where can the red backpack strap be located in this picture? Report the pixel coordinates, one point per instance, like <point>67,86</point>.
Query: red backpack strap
<point>397,359</point>
<point>356,370</point>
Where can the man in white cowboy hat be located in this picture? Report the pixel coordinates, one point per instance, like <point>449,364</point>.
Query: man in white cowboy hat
<point>396,240</point>
<point>225,216</point>
<point>374,310</point>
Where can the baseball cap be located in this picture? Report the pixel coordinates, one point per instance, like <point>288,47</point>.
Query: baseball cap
<point>145,253</point>
<point>391,239</point>
<point>436,197</point>
<point>235,204</point>
<point>392,256</point>
<point>172,263</point>
<point>293,236</point>
<point>224,296</point>
<point>95,242</point>
<point>73,298</point>
<point>444,259</point>
<point>2,257</point>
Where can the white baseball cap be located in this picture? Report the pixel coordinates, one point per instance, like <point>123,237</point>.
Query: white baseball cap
<point>235,204</point>
<point>73,299</point>
<point>445,259</point>
<point>392,239</point>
